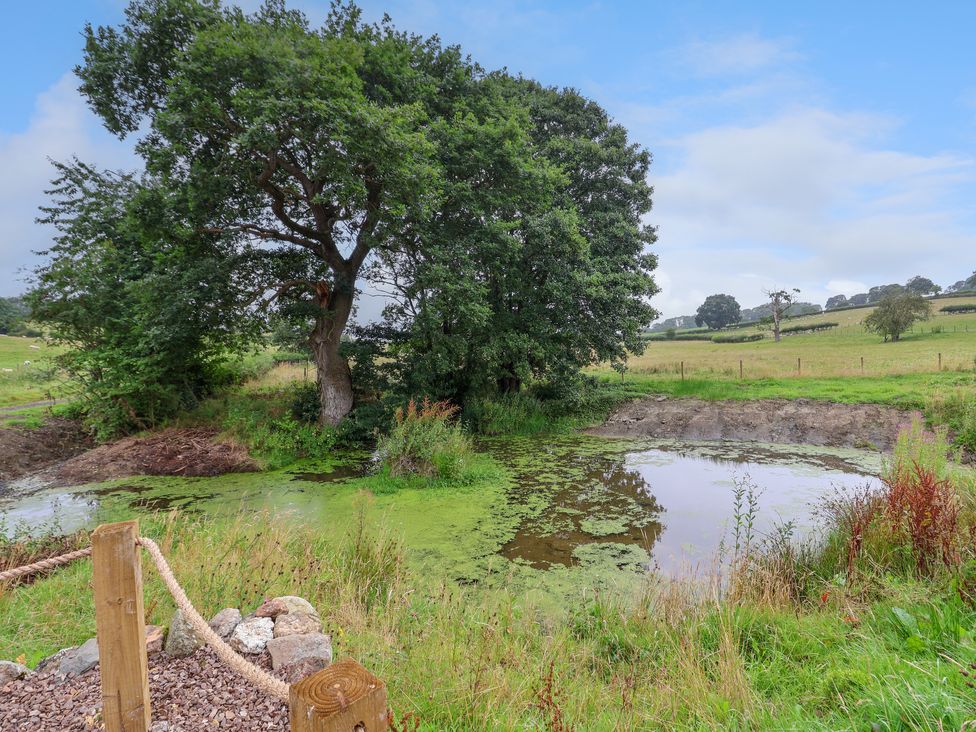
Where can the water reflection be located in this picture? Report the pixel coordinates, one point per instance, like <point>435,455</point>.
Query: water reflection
<point>672,499</point>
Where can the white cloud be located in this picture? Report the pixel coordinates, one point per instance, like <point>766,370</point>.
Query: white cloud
<point>740,54</point>
<point>846,287</point>
<point>60,127</point>
<point>804,199</point>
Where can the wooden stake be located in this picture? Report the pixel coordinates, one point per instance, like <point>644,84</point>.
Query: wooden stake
<point>740,369</point>
<point>120,623</point>
<point>343,697</point>
<point>797,365</point>
<point>862,365</point>
<point>940,362</point>
<point>682,370</point>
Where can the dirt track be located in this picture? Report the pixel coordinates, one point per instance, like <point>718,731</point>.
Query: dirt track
<point>790,421</point>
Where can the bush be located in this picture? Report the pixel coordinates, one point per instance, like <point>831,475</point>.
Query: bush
<point>954,309</point>
<point>737,338</point>
<point>809,327</point>
<point>425,441</point>
<point>958,412</point>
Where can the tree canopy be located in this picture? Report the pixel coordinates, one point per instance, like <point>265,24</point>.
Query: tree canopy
<point>504,217</point>
<point>896,313</point>
<point>718,311</point>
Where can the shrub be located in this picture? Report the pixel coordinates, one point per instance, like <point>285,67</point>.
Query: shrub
<point>926,509</point>
<point>953,309</point>
<point>737,338</point>
<point>958,412</point>
<point>425,441</point>
<point>808,328</point>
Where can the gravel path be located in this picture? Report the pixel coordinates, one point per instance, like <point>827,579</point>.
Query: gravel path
<point>188,694</point>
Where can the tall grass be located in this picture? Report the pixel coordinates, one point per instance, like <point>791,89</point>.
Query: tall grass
<point>425,440</point>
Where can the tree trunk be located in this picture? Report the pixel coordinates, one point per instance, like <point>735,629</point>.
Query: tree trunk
<point>776,317</point>
<point>333,376</point>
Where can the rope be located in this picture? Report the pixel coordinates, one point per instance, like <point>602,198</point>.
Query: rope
<point>260,678</point>
<point>44,564</point>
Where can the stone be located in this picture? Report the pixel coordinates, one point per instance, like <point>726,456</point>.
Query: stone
<point>154,639</point>
<point>291,649</point>
<point>181,640</point>
<point>300,624</point>
<point>10,671</point>
<point>77,661</point>
<point>224,622</point>
<point>271,609</point>
<point>252,635</point>
<point>297,605</point>
<point>297,671</point>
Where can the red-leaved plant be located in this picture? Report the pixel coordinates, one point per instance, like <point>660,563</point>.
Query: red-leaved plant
<point>926,508</point>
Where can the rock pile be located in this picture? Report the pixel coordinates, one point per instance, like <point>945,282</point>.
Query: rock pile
<point>284,633</point>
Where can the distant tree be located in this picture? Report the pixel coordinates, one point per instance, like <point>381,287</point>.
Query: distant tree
<point>837,301</point>
<point>857,300</point>
<point>780,302</point>
<point>876,294</point>
<point>13,315</point>
<point>963,285</point>
<point>896,313</point>
<point>718,311</point>
<point>919,285</point>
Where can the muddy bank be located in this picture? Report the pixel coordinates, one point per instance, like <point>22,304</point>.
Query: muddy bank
<point>185,452</point>
<point>789,421</point>
<point>24,451</point>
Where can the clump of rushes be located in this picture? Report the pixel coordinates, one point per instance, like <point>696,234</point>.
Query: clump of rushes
<point>425,440</point>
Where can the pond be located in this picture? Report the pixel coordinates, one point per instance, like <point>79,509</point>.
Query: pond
<point>568,513</point>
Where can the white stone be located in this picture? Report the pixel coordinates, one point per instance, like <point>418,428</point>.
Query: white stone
<point>292,649</point>
<point>252,635</point>
<point>10,671</point>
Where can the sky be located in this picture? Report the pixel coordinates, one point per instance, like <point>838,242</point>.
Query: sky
<point>828,146</point>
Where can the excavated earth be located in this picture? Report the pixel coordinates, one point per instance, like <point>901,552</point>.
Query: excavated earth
<point>24,451</point>
<point>785,421</point>
<point>186,452</point>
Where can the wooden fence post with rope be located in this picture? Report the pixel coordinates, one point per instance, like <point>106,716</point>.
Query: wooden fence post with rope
<point>343,697</point>
<point>120,623</point>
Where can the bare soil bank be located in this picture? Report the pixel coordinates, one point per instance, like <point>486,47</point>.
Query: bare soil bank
<point>24,451</point>
<point>184,452</point>
<point>789,421</point>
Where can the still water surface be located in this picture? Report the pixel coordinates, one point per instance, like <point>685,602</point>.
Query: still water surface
<point>577,509</point>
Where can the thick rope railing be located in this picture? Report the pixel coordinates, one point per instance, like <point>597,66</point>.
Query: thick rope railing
<point>44,564</point>
<point>257,676</point>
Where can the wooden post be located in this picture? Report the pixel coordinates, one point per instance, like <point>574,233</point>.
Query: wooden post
<point>862,365</point>
<point>682,370</point>
<point>343,697</point>
<point>797,365</point>
<point>740,369</point>
<point>120,622</point>
<point>940,362</point>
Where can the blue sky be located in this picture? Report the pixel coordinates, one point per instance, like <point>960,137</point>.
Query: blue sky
<point>829,146</point>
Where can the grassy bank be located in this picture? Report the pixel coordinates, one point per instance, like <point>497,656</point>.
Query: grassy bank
<point>806,637</point>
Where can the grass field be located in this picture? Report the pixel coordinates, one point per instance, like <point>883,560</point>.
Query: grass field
<point>834,353</point>
<point>21,383</point>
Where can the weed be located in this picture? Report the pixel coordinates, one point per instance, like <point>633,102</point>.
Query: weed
<point>425,441</point>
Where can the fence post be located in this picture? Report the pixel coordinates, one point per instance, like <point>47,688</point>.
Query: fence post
<point>120,624</point>
<point>862,365</point>
<point>940,362</point>
<point>798,366</point>
<point>740,369</point>
<point>343,697</point>
<point>682,370</point>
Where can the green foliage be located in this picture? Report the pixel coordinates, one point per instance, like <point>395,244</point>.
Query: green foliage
<point>807,328</point>
<point>14,314</point>
<point>957,411</point>
<point>737,338</point>
<point>958,309</point>
<point>425,441</point>
<point>141,303</point>
<point>896,313</point>
<point>699,336</point>
<point>718,311</point>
